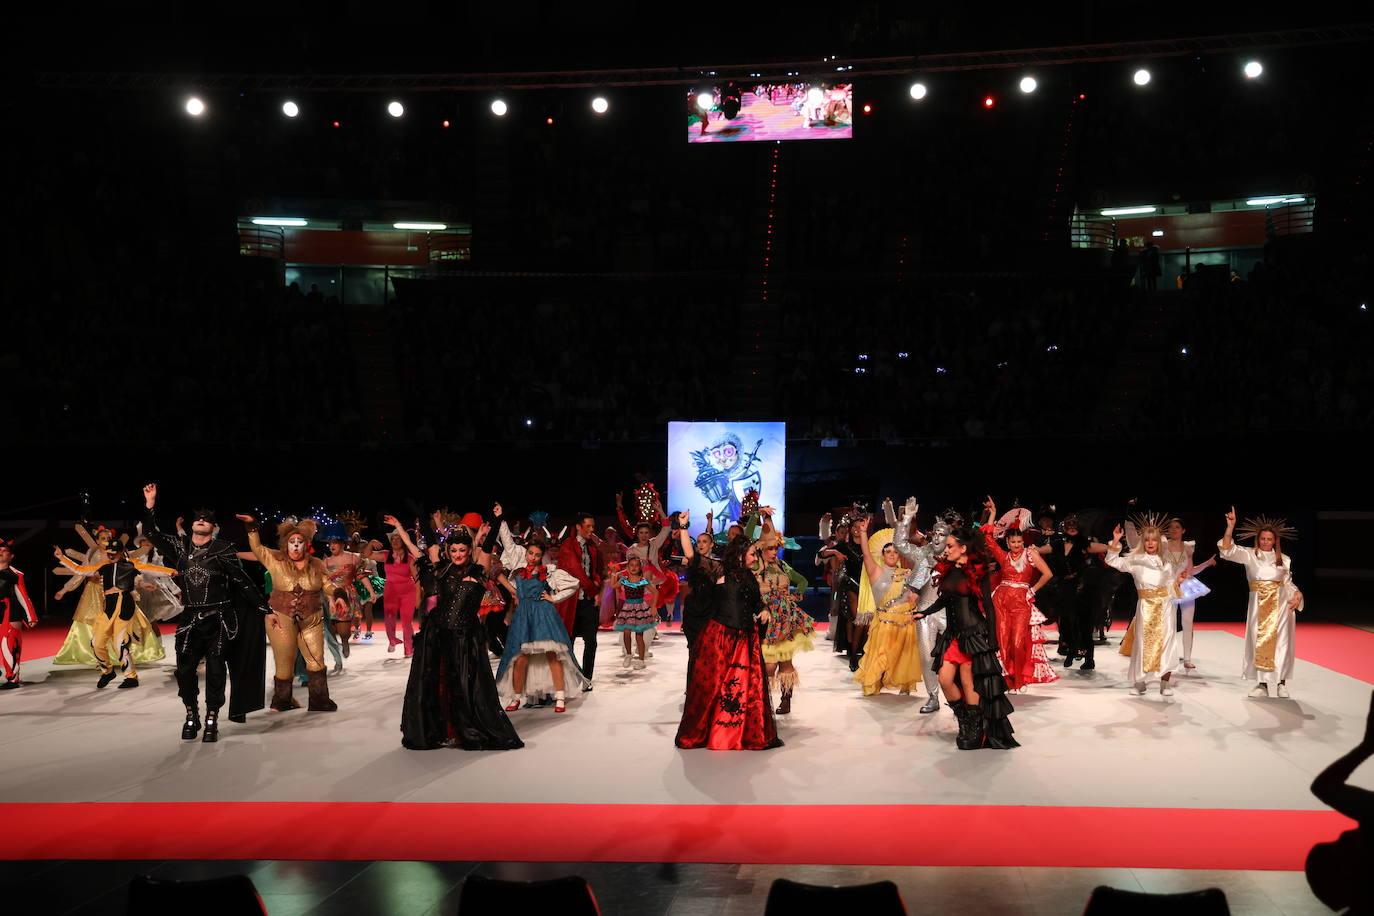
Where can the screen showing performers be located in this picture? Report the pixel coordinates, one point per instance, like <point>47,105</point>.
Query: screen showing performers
<point>714,467</point>
<point>797,110</point>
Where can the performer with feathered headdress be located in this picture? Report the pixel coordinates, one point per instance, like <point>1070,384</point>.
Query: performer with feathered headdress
<point>1270,618</point>
<point>1153,639</point>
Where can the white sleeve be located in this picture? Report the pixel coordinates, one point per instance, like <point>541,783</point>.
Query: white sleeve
<point>1235,553</point>
<point>563,585</point>
<point>1116,561</point>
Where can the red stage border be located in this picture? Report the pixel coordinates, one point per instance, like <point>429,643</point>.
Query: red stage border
<point>978,835</point>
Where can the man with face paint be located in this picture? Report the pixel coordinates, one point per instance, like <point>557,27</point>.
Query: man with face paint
<point>118,576</point>
<point>16,612</point>
<point>221,624</point>
<point>300,587</point>
<point>924,556</point>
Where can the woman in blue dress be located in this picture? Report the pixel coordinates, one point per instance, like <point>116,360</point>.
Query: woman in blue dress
<point>538,658</point>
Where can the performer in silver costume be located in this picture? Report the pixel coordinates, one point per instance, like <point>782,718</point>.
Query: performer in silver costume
<point>922,557</point>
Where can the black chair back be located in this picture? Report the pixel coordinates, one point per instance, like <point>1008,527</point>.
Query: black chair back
<point>1108,900</point>
<point>788,898</point>
<point>233,895</point>
<point>570,896</point>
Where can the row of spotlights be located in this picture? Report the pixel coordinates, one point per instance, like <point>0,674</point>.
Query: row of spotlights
<point>195,107</point>
<point>1028,84</point>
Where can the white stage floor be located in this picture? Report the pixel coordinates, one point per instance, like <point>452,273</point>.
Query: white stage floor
<point>1086,741</point>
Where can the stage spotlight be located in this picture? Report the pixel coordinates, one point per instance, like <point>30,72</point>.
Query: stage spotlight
<point>548,120</point>
<point>1028,84</point>
<point>336,123</point>
<point>989,101</point>
<point>195,107</point>
<point>1142,77</point>
<point>499,108</point>
<point>290,109</point>
<point>446,124</point>
<point>600,105</point>
<point>868,109</point>
<point>706,101</point>
<point>1253,69</point>
<point>918,91</point>
<point>395,109</point>
<point>529,422</point>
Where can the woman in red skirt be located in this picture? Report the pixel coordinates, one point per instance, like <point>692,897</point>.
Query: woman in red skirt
<point>728,707</point>
<point>1024,573</point>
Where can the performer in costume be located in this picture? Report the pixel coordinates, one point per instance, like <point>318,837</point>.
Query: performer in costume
<point>16,614</point>
<point>301,585</point>
<point>451,698</point>
<point>850,577</point>
<point>893,655</point>
<point>636,615</point>
<point>1180,555</point>
<point>580,557</point>
<point>728,707</point>
<point>79,646</point>
<point>929,624</point>
<point>1270,621</point>
<point>648,536</point>
<point>1152,640</point>
<point>400,593</point>
<point>341,567</point>
<point>1080,612</point>
<point>159,597</point>
<point>702,573</point>
<point>1014,600</point>
<point>538,657</point>
<point>612,549</point>
<point>220,626</point>
<point>118,576</point>
<point>789,627</point>
<point>966,652</point>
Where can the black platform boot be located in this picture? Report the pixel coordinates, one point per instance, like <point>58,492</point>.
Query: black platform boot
<point>971,730</point>
<point>192,726</point>
<point>211,727</point>
<point>785,707</point>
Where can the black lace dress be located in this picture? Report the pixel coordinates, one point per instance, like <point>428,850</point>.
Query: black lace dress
<point>969,637</point>
<point>451,697</point>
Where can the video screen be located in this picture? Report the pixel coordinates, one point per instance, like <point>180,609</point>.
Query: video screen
<point>720,467</point>
<point>770,111</point>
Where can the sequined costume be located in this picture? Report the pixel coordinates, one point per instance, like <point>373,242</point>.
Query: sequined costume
<point>892,656</point>
<point>934,623</point>
<point>221,624</point>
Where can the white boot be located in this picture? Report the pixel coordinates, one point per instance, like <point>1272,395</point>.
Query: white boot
<point>1260,690</point>
<point>1282,691</point>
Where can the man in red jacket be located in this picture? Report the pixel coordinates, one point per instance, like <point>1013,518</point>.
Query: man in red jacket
<point>579,556</point>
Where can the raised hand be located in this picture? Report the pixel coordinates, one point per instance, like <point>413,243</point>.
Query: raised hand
<point>248,519</point>
<point>1231,518</point>
<point>150,495</point>
<point>496,511</point>
<point>1117,532</point>
<point>619,500</point>
<point>391,521</point>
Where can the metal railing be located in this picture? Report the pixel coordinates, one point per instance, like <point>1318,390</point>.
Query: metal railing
<point>261,241</point>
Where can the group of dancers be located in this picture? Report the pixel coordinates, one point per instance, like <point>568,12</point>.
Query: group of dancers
<point>957,608</point>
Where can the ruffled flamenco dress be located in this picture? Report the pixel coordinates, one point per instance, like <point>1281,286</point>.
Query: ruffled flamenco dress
<point>969,640</point>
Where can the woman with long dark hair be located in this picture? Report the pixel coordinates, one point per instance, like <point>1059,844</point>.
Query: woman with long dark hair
<point>728,706</point>
<point>966,652</point>
<point>451,698</point>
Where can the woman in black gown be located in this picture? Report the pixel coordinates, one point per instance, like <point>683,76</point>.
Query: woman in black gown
<point>451,698</point>
<point>966,652</point>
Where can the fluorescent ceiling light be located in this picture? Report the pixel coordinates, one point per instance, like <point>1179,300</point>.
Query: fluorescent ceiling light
<point>1266,201</point>
<point>1128,211</point>
<point>279,221</point>
<point>423,227</point>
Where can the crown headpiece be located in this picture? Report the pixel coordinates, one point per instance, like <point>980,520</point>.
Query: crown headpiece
<point>1251,528</point>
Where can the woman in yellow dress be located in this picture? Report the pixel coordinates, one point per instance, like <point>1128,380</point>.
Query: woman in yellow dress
<point>79,646</point>
<point>893,655</point>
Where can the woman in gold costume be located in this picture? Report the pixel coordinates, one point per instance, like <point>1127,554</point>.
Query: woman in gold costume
<point>1274,600</point>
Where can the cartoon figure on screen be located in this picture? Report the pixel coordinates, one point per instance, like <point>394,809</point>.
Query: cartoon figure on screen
<point>725,474</point>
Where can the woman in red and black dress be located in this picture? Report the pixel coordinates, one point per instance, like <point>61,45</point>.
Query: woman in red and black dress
<point>966,652</point>
<point>728,707</point>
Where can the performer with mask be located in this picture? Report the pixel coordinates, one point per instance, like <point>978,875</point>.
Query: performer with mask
<point>300,587</point>
<point>114,626</point>
<point>220,626</point>
<point>1271,623</point>
<point>17,613</point>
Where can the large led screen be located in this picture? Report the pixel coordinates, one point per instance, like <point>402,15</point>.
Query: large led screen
<point>770,111</point>
<point>712,467</point>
